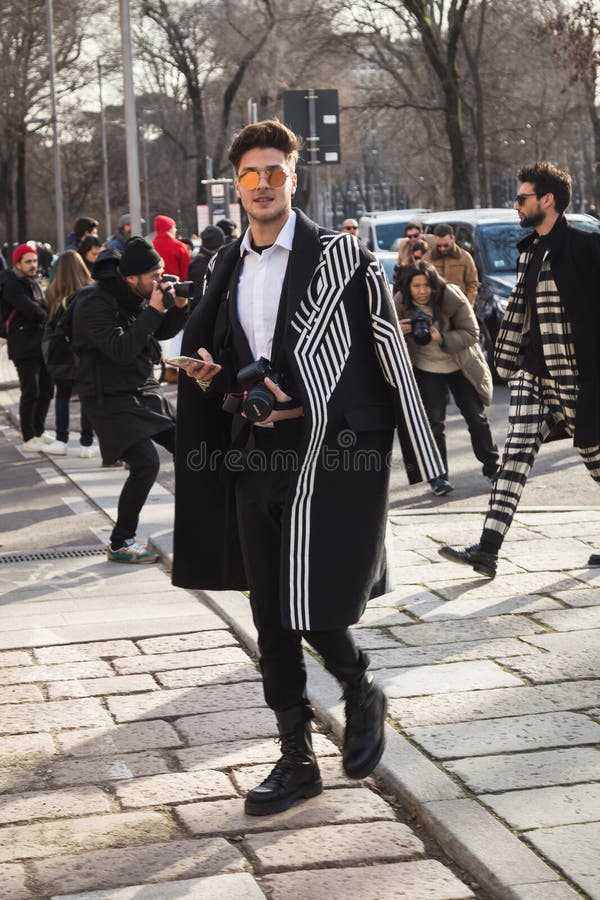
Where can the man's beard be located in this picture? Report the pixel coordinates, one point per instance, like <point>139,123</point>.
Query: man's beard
<point>533,220</point>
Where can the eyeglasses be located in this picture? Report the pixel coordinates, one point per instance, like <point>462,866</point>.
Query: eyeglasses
<point>275,176</point>
<point>520,198</point>
<point>414,234</point>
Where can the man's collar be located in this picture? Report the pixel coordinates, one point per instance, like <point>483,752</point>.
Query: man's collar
<point>284,239</point>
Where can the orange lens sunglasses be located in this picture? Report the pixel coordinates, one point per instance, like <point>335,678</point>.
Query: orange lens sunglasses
<point>275,176</point>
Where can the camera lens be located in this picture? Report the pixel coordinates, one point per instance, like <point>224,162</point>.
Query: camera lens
<point>258,404</point>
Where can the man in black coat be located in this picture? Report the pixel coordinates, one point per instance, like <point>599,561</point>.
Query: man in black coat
<point>116,327</point>
<point>212,239</point>
<point>24,311</point>
<point>290,484</point>
<point>549,348</point>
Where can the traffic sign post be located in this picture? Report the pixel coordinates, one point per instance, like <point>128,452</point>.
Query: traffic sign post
<point>314,115</point>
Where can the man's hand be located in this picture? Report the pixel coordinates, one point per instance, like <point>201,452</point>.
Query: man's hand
<point>156,299</point>
<point>181,302</point>
<point>279,414</point>
<point>205,369</point>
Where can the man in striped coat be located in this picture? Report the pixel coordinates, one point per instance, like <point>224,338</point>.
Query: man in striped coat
<point>548,347</point>
<point>293,505</point>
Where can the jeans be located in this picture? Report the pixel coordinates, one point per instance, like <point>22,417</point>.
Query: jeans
<point>36,394</point>
<point>142,459</point>
<point>434,388</point>
<point>64,389</point>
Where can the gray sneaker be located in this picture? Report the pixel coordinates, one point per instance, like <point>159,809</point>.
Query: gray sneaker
<point>481,562</point>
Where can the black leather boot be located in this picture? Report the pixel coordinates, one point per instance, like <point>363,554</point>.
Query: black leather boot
<point>364,737</point>
<point>296,774</point>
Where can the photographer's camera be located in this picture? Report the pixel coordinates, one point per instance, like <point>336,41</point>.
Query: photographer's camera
<point>421,327</point>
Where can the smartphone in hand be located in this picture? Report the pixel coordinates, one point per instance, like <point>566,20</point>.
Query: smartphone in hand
<point>181,362</point>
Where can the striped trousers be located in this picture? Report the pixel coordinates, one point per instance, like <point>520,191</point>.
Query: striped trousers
<point>535,409</point>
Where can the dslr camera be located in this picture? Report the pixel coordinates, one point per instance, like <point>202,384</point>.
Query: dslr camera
<point>259,401</point>
<point>181,289</point>
<point>421,327</point>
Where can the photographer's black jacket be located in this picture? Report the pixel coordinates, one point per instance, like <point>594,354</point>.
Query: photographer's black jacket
<point>341,353</point>
<point>115,336</point>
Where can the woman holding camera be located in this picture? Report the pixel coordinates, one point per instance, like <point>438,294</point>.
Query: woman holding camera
<point>442,339</point>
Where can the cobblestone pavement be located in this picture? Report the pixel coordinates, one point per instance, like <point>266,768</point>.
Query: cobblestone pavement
<point>132,721</point>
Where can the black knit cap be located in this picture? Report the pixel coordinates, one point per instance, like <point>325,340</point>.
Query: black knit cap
<point>138,257</point>
<point>212,237</point>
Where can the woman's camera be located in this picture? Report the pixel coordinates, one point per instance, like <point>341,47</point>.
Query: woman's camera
<point>259,401</point>
<point>421,327</point>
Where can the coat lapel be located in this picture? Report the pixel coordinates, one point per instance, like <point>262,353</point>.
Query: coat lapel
<point>304,257</point>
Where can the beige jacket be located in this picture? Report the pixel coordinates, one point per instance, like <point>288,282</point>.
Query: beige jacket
<point>459,268</point>
<point>458,326</point>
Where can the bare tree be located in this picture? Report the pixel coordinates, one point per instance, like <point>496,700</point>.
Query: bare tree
<point>204,43</point>
<point>576,34</point>
<point>24,90</point>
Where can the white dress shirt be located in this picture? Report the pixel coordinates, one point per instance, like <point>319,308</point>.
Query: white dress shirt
<point>260,285</point>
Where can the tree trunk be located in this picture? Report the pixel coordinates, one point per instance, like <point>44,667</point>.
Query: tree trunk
<point>6,192</point>
<point>461,186</point>
<point>590,92</point>
<point>21,191</point>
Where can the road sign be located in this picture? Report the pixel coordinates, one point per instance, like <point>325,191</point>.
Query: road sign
<point>323,138</point>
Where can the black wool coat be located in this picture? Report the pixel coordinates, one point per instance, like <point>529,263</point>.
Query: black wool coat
<point>342,353</point>
<point>574,258</point>
<point>117,348</point>
<point>29,314</point>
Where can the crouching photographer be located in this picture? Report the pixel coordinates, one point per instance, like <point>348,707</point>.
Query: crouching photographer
<point>115,333</point>
<point>442,339</point>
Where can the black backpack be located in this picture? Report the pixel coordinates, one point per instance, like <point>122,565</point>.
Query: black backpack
<point>57,349</point>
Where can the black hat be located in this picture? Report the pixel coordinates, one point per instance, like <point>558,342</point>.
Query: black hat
<point>227,226</point>
<point>212,237</point>
<point>139,257</point>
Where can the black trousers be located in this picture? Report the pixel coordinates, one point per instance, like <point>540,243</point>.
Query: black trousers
<point>260,500</point>
<point>434,388</point>
<point>144,464</point>
<point>36,394</point>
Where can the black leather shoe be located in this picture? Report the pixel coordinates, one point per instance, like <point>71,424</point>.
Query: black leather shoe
<point>296,774</point>
<point>481,562</point>
<point>364,737</point>
<point>594,560</point>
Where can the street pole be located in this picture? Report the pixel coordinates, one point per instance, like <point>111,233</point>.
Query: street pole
<point>133,165</point>
<point>313,148</point>
<point>58,194</point>
<point>145,168</point>
<point>104,157</point>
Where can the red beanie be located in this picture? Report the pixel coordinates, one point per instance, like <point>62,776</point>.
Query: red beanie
<point>21,250</point>
<point>163,223</point>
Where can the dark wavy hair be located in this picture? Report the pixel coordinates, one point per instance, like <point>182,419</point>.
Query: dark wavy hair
<point>549,179</point>
<point>434,279</point>
<point>268,133</point>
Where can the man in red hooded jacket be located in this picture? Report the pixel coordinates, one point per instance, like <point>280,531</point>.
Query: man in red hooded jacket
<point>175,254</point>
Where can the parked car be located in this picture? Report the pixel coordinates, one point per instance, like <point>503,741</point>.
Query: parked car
<point>381,232</point>
<point>491,236</point>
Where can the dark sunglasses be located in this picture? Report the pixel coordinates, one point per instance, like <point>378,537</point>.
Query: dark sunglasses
<point>415,234</point>
<point>275,176</point>
<point>350,227</point>
<point>520,198</point>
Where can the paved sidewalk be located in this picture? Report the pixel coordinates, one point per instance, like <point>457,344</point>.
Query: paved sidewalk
<point>117,693</point>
